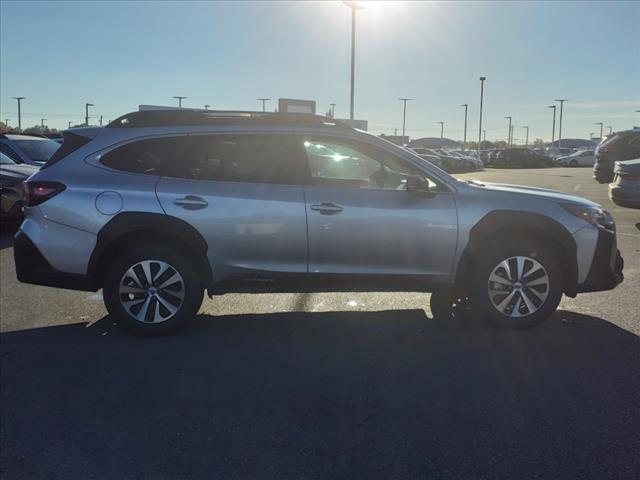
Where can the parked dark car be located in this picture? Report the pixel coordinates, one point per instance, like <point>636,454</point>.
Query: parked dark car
<point>625,189</point>
<point>29,149</point>
<point>520,158</point>
<point>11,177</point>
<point>619,147</point>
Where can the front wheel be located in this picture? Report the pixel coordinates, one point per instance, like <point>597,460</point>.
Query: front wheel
<point>518,285</point>
<point>152,290</point>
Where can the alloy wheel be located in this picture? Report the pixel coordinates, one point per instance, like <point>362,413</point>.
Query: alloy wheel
<point>518,286</point>
<point>151,291</point>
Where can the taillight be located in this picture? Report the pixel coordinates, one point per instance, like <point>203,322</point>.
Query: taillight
<point>36,193</point>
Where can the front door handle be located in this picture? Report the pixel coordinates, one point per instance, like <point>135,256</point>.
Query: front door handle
<point>327,208</point>
<point>191,202</point>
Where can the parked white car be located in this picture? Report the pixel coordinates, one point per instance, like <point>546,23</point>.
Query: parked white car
<point>581,158</point>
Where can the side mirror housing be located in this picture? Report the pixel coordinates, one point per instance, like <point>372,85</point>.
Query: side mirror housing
<point>417,184</point>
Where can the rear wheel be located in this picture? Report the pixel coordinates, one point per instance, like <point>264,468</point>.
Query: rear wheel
<point>573,163</point>
<point>518,285</point>
<point>152,290</point>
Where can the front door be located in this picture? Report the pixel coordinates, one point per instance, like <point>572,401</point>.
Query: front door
<point>361,219</point>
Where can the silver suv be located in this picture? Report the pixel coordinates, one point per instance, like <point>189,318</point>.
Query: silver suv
<point>160,206</point>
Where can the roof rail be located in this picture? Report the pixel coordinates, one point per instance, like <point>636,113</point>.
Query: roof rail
<point>181,118</point>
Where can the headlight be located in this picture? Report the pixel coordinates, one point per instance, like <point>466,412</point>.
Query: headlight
<point>596,216</point>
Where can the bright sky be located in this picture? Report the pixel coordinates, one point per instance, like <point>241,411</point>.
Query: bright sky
<point>118,55</point>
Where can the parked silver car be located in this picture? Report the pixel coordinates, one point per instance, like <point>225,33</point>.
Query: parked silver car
<point>159,206</point>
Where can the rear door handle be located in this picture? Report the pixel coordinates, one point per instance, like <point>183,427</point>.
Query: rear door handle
<point>327,208</point>
<point>191,202</point>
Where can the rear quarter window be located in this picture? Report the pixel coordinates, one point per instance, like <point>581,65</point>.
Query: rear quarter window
<point>156,156</point>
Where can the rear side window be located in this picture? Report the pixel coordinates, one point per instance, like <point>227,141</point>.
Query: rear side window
<point>245,158</point>
<point>231,158</point>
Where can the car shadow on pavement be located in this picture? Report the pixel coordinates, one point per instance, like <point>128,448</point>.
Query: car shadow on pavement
<point>7,230</point>
<point>389,394</point>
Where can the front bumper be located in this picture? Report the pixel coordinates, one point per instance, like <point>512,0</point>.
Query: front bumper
<point>606,267</point>
<point>32,267</point>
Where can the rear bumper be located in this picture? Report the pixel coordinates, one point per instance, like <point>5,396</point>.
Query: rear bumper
<point>32,267</point>
<point>607,265</point>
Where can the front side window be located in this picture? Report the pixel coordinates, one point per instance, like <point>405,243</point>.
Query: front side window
<point>355,165</point>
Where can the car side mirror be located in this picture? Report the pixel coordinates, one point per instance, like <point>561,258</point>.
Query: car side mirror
<point>417,184</point>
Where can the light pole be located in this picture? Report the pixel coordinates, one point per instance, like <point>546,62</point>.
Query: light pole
<point>404,113</point>
<point>526,142</point>
<point>484,139</point>
<point>464,141</point>
<point>264,101</point>
<point>441,132</point>
<point>482,79</point>
<point>333,110</point>
<point>354,8</point>
<point>69,123</point>
<point>601,127</point>
<point>86,113</point>
<point>42,120</point>
<point>179,98</point>
<point>6,123</point>
<point>610,129</point>
<point>509,136</point>
<point>553,128</point>
<point>561,100</point>
<point>19,99</point>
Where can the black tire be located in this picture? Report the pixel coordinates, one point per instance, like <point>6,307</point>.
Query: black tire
<point>191,287</point>
<point>573,163</point>
<point>533,250</point>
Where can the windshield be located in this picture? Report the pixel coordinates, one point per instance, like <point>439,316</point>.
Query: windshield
<point>5,160</point>
<point>38,150</point>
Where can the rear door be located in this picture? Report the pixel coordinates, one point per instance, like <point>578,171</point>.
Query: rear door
<point>362,221</point>
<point>242,192</point>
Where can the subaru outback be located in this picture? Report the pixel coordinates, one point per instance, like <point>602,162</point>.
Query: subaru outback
<point>160,206</point>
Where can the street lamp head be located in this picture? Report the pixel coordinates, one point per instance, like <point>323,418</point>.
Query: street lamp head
<point>89,104</point>
<point>561,100</point>
<point>464,105</point>
<point>405,99</point>
<point>482,79</point>
<point>552,106</point>
<point>19,98</point>
<point>509,118</point>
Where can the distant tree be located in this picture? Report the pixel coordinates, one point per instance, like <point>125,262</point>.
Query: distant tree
<point>539,143</point>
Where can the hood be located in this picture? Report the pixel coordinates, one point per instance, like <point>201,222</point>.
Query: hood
<point>17,172</point>
<point>538,192</point>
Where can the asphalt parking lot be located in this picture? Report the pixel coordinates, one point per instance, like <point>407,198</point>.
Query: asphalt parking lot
<point>325,385</point>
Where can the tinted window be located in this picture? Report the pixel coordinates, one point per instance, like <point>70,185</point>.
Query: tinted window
<point>8,151</point>
<point>38,150</point>
<point>146,156</point>
<point>342,163</point>
<point>233,158</point>
<point>246,158</point>
<point>6,160</point>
